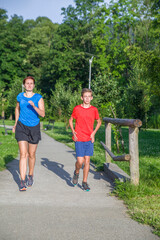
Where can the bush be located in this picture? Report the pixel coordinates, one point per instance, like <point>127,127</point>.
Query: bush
<point>62,102</point>
<point>154,121</point>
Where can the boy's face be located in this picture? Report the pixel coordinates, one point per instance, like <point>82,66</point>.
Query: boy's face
<point>87,97</point>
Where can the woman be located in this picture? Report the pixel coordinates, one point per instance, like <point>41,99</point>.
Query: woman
<point>29,106</point>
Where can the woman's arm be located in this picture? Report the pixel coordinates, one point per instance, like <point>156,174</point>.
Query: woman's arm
<point>40,109</point>
<point>17,110</point>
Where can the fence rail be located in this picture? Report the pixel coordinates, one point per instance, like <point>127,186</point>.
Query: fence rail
<point>125,157</point>
<point>124,122</point>
<point>133,156</point>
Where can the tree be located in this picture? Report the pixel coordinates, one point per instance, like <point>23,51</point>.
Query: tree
<point>12,52</point>
<point>75,43</point>
<point>37,44</point>
<point>62,102</point>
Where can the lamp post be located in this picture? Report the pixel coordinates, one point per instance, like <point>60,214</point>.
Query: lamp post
<point>90,63</point>
<point>22,88</point>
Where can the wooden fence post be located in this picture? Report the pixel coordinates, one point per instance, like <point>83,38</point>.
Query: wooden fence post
<point>134,152</point>
<point>3,113</point>
<point>108,140</point>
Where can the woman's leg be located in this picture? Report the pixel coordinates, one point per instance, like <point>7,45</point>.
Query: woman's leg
<point>32,157</point>
<point>23,148</point>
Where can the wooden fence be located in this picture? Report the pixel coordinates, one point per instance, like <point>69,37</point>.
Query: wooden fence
<point>133,156</point>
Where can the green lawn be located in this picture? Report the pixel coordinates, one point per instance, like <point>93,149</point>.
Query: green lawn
<point>143,201</point>
<point>7,122</point>
<point>8,148</point>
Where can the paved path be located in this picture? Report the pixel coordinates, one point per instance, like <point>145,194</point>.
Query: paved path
<point>52,209</point>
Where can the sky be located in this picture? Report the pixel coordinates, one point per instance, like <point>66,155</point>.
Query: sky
<point>31,9</point>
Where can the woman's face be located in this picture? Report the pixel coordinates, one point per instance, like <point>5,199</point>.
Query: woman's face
<point>29,84</point>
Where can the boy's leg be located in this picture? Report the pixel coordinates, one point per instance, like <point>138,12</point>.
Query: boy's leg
<point>78,165</point>
<point>85,185</point>
<point>88,152</point>
<point>86,168</point>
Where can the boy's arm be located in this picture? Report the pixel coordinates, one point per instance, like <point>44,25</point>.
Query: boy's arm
<point>95,130</point>
<point>72,128</point>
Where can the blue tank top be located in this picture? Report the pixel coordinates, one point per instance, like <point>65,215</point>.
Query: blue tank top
<point>28,116</point>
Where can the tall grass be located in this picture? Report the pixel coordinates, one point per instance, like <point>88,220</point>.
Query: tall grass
<point>143,201</point>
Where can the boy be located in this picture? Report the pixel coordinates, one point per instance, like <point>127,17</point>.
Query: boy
<point>83,135</point>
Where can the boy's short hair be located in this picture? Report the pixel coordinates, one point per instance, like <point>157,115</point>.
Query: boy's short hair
<point>84,90</point>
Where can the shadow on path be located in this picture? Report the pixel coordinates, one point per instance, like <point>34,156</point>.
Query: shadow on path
<point>13,168</point>
<point>97,174</point>
<point>58,169</point>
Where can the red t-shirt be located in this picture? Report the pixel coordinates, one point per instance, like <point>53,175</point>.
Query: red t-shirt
<point>84,121</point>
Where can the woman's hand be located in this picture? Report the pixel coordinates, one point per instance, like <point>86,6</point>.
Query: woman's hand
<point>14,128</point>
<point>31,103</point>
<point>40,109</point>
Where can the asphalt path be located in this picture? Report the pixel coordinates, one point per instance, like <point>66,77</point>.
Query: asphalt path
<point>53,209</point>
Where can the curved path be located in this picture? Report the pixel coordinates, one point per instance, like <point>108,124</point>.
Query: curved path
<point>52,209</point>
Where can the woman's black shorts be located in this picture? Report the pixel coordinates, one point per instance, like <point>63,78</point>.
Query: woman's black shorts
<point>28,134</point>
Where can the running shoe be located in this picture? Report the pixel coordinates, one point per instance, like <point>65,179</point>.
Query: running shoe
<point>22,186</point>
<point>75,178</point>
<point>85,186</point>
<point>30,181</point>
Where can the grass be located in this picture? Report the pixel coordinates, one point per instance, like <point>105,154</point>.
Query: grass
<point>7,122</point>
<point>143,201</point>
<point>8,148</point>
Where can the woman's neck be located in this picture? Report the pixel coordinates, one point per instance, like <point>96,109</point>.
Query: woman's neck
<point>28,94</point>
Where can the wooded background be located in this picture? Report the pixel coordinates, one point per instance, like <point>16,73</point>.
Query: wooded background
<point>123,37</point>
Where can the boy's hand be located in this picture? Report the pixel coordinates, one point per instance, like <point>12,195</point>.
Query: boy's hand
<point>92,137</point>
<point>74,136</point>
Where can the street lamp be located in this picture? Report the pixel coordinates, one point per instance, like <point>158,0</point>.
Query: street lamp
<point>90,63</point>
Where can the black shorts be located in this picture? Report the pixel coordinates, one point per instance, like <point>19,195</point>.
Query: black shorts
<point>28,134</point>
